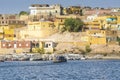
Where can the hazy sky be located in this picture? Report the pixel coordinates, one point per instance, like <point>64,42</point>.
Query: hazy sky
<point>15,6</point>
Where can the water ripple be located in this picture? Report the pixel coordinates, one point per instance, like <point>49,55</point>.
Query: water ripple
<point>72,70</point>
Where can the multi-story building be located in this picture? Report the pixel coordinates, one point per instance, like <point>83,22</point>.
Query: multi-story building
<point>39,29</point>
<point>10,20</point>
<point>73,10</point>
<point>102,37</point>
<point>45,9</point>
<point>103,22</point>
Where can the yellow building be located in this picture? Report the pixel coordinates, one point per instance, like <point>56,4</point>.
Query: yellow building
<point>1,34</point>
<point>72,10</point>
<point>6,33</point>
<point>103,22</point>
<point>39,29</point>
<point>9,34</point>
<point>102,37</point>
<point>96,24</point>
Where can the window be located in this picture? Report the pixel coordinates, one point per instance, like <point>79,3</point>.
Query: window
<point>9,35</point>
<point>3,22</point>
<point>49,44</point>
<point>19,44</point>
<point>26,44</point>
<point>61,20</point>
<point>3,44</point>
<point>9,45</point>
<point>14,35</point>
<point>37,45</point>
<point>46,45</point>
<point>56,11</point>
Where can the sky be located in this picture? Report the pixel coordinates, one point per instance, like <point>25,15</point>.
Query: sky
<point>15,6</point>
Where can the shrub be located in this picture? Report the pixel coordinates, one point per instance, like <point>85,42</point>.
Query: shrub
<point>88,49</point>
<point>41,51</point>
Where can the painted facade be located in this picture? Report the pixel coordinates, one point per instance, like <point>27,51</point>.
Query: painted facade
<point>41,28</point>
<point>45,9</point>
<point>102,37</point>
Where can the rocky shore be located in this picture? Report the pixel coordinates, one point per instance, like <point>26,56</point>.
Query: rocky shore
<point>37,57</point>
<point>44,57</point>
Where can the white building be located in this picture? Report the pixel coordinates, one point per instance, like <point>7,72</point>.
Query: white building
<point>115,10</point>
<point>91,17</point>
<point>45,9</point>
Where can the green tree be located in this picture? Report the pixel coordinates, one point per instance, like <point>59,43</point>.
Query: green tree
<point>72,25</point>
<point>23,13</point>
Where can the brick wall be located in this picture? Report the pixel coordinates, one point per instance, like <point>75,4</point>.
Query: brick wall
<point>16,44</point>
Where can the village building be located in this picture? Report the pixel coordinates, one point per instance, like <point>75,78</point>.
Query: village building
<point>43,10</point>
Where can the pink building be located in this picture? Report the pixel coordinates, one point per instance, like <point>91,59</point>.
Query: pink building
<point>16,44</point>
<point>97,11</point>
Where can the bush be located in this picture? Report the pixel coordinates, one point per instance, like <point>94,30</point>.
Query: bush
<point>88,49</point>
<point>41,51</point>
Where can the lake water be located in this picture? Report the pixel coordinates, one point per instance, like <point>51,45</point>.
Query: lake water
<point>72,70</point>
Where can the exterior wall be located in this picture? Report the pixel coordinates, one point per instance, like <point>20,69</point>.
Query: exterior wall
<point>97,11</point>
<point>93,25</point>
<point>42,29</point>
<point>9,34</point>
<point>72,10</point>
<point>103,22</point>
<point>10,19</point>
<point>24,18</point>
<point>37,9</point>
<point>102,36</point>
<point>1,33</point>
<point>91,18</point>
<point>47,46</point>
<point>97,40</point>
<point>7,47</point>
<point>15,44</point>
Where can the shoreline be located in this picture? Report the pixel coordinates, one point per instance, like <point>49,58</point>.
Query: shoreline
<point>49,57</point>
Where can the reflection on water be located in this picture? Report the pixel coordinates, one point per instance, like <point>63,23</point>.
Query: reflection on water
<point>72,70</point>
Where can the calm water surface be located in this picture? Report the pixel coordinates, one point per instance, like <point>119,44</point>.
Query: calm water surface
<point>72,70</point>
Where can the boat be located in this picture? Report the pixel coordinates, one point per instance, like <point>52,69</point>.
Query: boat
<point>1,60</point>
<point>59,59</point>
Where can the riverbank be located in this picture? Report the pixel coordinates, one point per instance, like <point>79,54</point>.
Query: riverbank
<point>46,57</point>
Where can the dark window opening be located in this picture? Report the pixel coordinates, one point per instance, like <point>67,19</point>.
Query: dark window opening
<point>37,45</point>
<point>33,45</point>
<point>46,45</point>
